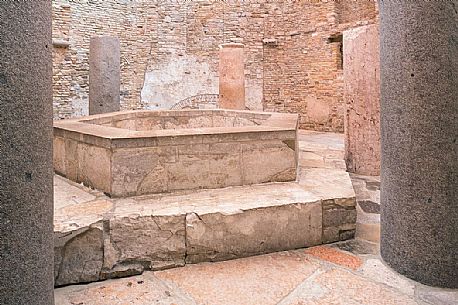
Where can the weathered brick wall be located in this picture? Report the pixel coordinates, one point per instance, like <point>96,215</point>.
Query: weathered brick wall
<point>169,52</point>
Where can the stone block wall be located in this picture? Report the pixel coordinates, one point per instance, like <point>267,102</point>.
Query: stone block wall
<point>169,52</point>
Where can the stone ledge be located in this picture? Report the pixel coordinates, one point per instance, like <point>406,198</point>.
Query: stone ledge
<point>108,238</point>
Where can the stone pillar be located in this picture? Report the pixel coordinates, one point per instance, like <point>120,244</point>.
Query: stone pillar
<point>231,76</point>
<point>26,172</point>
<point>104,74</point>
<point>419,110</point>
<point>362,100</point>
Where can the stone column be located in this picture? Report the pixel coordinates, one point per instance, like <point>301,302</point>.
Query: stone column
<point>104,74</point>
<point>419,124</point>
<point>362,100</point>
<point>231,76</point>
<point>26,173</point>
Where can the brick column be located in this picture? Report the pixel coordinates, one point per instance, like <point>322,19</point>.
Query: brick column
<point>419,111</point>
<point>231,76</point>
<point>26,173</point>
<point>104,74</point>
<point>362,100</point>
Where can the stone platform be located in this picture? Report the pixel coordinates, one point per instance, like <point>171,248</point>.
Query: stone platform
<point>97,237</point>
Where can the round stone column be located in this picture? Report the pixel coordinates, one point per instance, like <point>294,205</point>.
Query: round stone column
<point>26,170</point>
<point>231,76</point>
<point>104,74</point>
<point>419,128</point>
<point>362,100</point>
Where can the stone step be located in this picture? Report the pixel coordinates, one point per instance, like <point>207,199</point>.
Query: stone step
<point>98,237</point>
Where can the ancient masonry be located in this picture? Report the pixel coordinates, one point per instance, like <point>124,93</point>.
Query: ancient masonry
<point>169,52</point>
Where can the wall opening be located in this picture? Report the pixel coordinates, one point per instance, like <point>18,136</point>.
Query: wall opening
<point>338,39</point>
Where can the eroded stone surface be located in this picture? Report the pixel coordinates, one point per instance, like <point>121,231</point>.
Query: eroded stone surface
<point>232,76</point>
<point>377,271</point>
<point>292,277</point>
<point>81,256</point>
<point>160,231</point>
<point>255,280</point>
<point>163,231</point>
<point>335,256</point>
<point>214,237</point>
<point>362,99</point>
<point>139,290</point>
<point>341,287</point>
<point>145,152</point>
<point>104,74</point>
<point>155,242</point>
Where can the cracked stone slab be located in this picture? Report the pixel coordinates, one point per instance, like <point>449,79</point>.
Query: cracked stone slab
<point>154,232</point>
<point>157,242</point>
<point>280,222</point>
<point>328,183</point>
<point>78,255</point>
<point>68,194</point>
<point>264,279</point>
<point>137,290</point>
<point>377,271</point>
<point>337,286</point>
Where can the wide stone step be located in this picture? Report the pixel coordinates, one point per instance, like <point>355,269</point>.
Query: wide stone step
<point>98,238</point>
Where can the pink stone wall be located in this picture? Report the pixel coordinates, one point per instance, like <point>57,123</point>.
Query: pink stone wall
<point>362,100</point>
<point>231,76</point>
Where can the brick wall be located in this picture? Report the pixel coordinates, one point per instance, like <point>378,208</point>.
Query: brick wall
<point>169,52</point>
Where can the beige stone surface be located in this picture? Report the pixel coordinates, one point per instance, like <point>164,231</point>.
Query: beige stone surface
<point>215,237</point>
<point>368,231</point>
<point>354,276</point>
<point>144,289</point>
<point>232,76</point>
<point>154,242</point>
<point>310,277</point>
<point>68,194</point>
<point>162,231</point>
<point>375,269</point>
<point>158,231</point>
<point>362,100</point>
<point>339,287</point>
<point>123,155</point>
<point>256,280</point>
<point>327,183</point>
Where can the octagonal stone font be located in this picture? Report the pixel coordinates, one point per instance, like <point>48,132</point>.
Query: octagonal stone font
<point>145,152</point>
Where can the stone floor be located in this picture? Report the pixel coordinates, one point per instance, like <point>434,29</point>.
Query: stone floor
<point>344,273</point>
<point>348,272</point>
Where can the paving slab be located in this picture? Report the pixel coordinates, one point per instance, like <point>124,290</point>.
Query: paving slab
<point>341,287</point>
<point>374,268</point>
<point>264,279</point>
<point>66,193</point>
<point>144,289</point>
<point>335,256</point>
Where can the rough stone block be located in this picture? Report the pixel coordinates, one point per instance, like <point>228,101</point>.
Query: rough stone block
<point>268,161</point>
<point>159,240</point>
<point>78,255</point>
<point>220,236</point>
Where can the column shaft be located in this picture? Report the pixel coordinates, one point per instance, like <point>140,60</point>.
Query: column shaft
<point>419,128</point>
<point>104,74</point>
<point>26,172</point>
<point>231,76</point>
